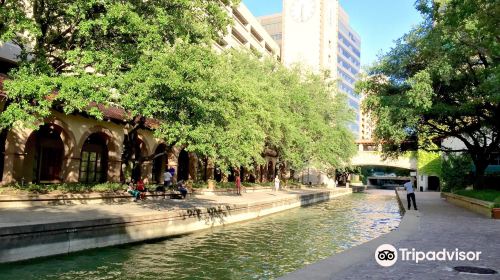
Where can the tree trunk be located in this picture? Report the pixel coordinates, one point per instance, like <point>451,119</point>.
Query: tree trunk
<point>205,175</point>
<point>481,165</point>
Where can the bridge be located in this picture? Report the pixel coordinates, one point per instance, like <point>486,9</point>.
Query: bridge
<point>370,154</point>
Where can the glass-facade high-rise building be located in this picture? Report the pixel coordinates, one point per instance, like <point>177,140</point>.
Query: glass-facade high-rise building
<point>348,66</point>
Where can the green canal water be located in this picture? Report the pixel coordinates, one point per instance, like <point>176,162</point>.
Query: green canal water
<point>265,248</point>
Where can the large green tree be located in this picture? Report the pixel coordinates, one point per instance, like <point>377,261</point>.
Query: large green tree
<point>441,81</point>
<point>300,113</point>
<point>155,61</point>
<point>74,53</point>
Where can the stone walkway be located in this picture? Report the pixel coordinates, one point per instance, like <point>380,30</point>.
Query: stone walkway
<point>81,212</point>
<point>435,226</point>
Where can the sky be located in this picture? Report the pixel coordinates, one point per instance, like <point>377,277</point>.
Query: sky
<point>378,22</point>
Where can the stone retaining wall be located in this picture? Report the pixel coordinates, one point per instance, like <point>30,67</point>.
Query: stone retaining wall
<point>15,201</point>
<point>472,204</point>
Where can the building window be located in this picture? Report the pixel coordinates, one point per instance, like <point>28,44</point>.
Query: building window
<point>277,36</point>
<point>349,45</point>
<point>93,161</point>
<point>44,155</point>
<point>495,159</point>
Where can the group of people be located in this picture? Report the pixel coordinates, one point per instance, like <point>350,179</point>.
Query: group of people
<point>138,190</point>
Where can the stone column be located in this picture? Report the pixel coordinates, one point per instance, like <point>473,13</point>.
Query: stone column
<point>193,166</point>
<point>210,168</point>
<point>113,173</point>
<point>173,161</point>
<point>146,169</point>
<point>13,168</point>
<point>70,170</point>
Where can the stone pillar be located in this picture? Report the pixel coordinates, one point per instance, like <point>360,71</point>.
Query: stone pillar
<point>264,171</point>
<point>146,169</point>
<point>173,161</point>
<point>70,170</point>
<point>13,168</point>
<point>193,166</point>
<point>114,167</point>
<point>210,168</point>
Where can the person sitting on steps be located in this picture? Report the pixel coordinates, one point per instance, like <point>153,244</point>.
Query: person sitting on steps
<point>182,189</point>
<point>142,189</point>
<point>133,191</point>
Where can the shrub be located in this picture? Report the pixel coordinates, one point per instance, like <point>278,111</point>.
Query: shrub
<point>486,195</point>
<point>69,187</point>
<point>456,172</point>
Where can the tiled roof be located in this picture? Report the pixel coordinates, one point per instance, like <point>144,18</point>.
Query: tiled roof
<point>109,112</point>
<point>119,114</point>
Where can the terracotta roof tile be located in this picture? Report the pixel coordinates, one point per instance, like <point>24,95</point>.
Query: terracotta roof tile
<point>119,114</point>
<point>109,112</point>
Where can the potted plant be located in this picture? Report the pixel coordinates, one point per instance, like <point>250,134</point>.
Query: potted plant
<point>495,211</point>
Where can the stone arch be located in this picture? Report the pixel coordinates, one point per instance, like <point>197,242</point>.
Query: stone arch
<point>67,136</point>
<point>183,165</point>
<point>160,163</point>
<point>94,158</point>
<point>16,146</point>
<point>218,175</point>
<point>114,147</point>
<point>270,170</point>
<point>142,170</point>
<point>145,148</point>
<point>46,155</point>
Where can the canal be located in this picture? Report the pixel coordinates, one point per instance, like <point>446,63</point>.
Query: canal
<point>265,248</point>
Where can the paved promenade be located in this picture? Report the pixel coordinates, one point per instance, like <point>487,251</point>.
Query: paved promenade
<point>83,212</point>
<point>435,226</point>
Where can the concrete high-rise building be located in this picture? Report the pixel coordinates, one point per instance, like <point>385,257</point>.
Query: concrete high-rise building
<point>247,32</point>
<point>317,33</point>
<point>273,24</point>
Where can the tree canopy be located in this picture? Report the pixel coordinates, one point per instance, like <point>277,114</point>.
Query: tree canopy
<point>155,59</point>
<point>441,81</point>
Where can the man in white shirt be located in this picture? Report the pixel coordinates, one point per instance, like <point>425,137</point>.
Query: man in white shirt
<point>410,193</point>
<point>167,178</point>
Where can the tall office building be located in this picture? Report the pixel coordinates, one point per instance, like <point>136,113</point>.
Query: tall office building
<point>348,65</point>
<point>317,33</point>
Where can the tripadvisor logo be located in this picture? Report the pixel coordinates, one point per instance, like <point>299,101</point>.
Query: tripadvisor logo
<point>386,255</point>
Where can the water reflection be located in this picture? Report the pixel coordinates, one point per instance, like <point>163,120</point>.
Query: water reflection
<point>261,249</point>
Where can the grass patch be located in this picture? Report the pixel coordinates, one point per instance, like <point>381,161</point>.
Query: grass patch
<point>486,195</point>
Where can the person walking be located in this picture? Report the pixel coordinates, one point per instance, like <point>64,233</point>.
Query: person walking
<point>410,194</point>
<point>167,179</point>
<point>276,183</point>
<point>238,185</point>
